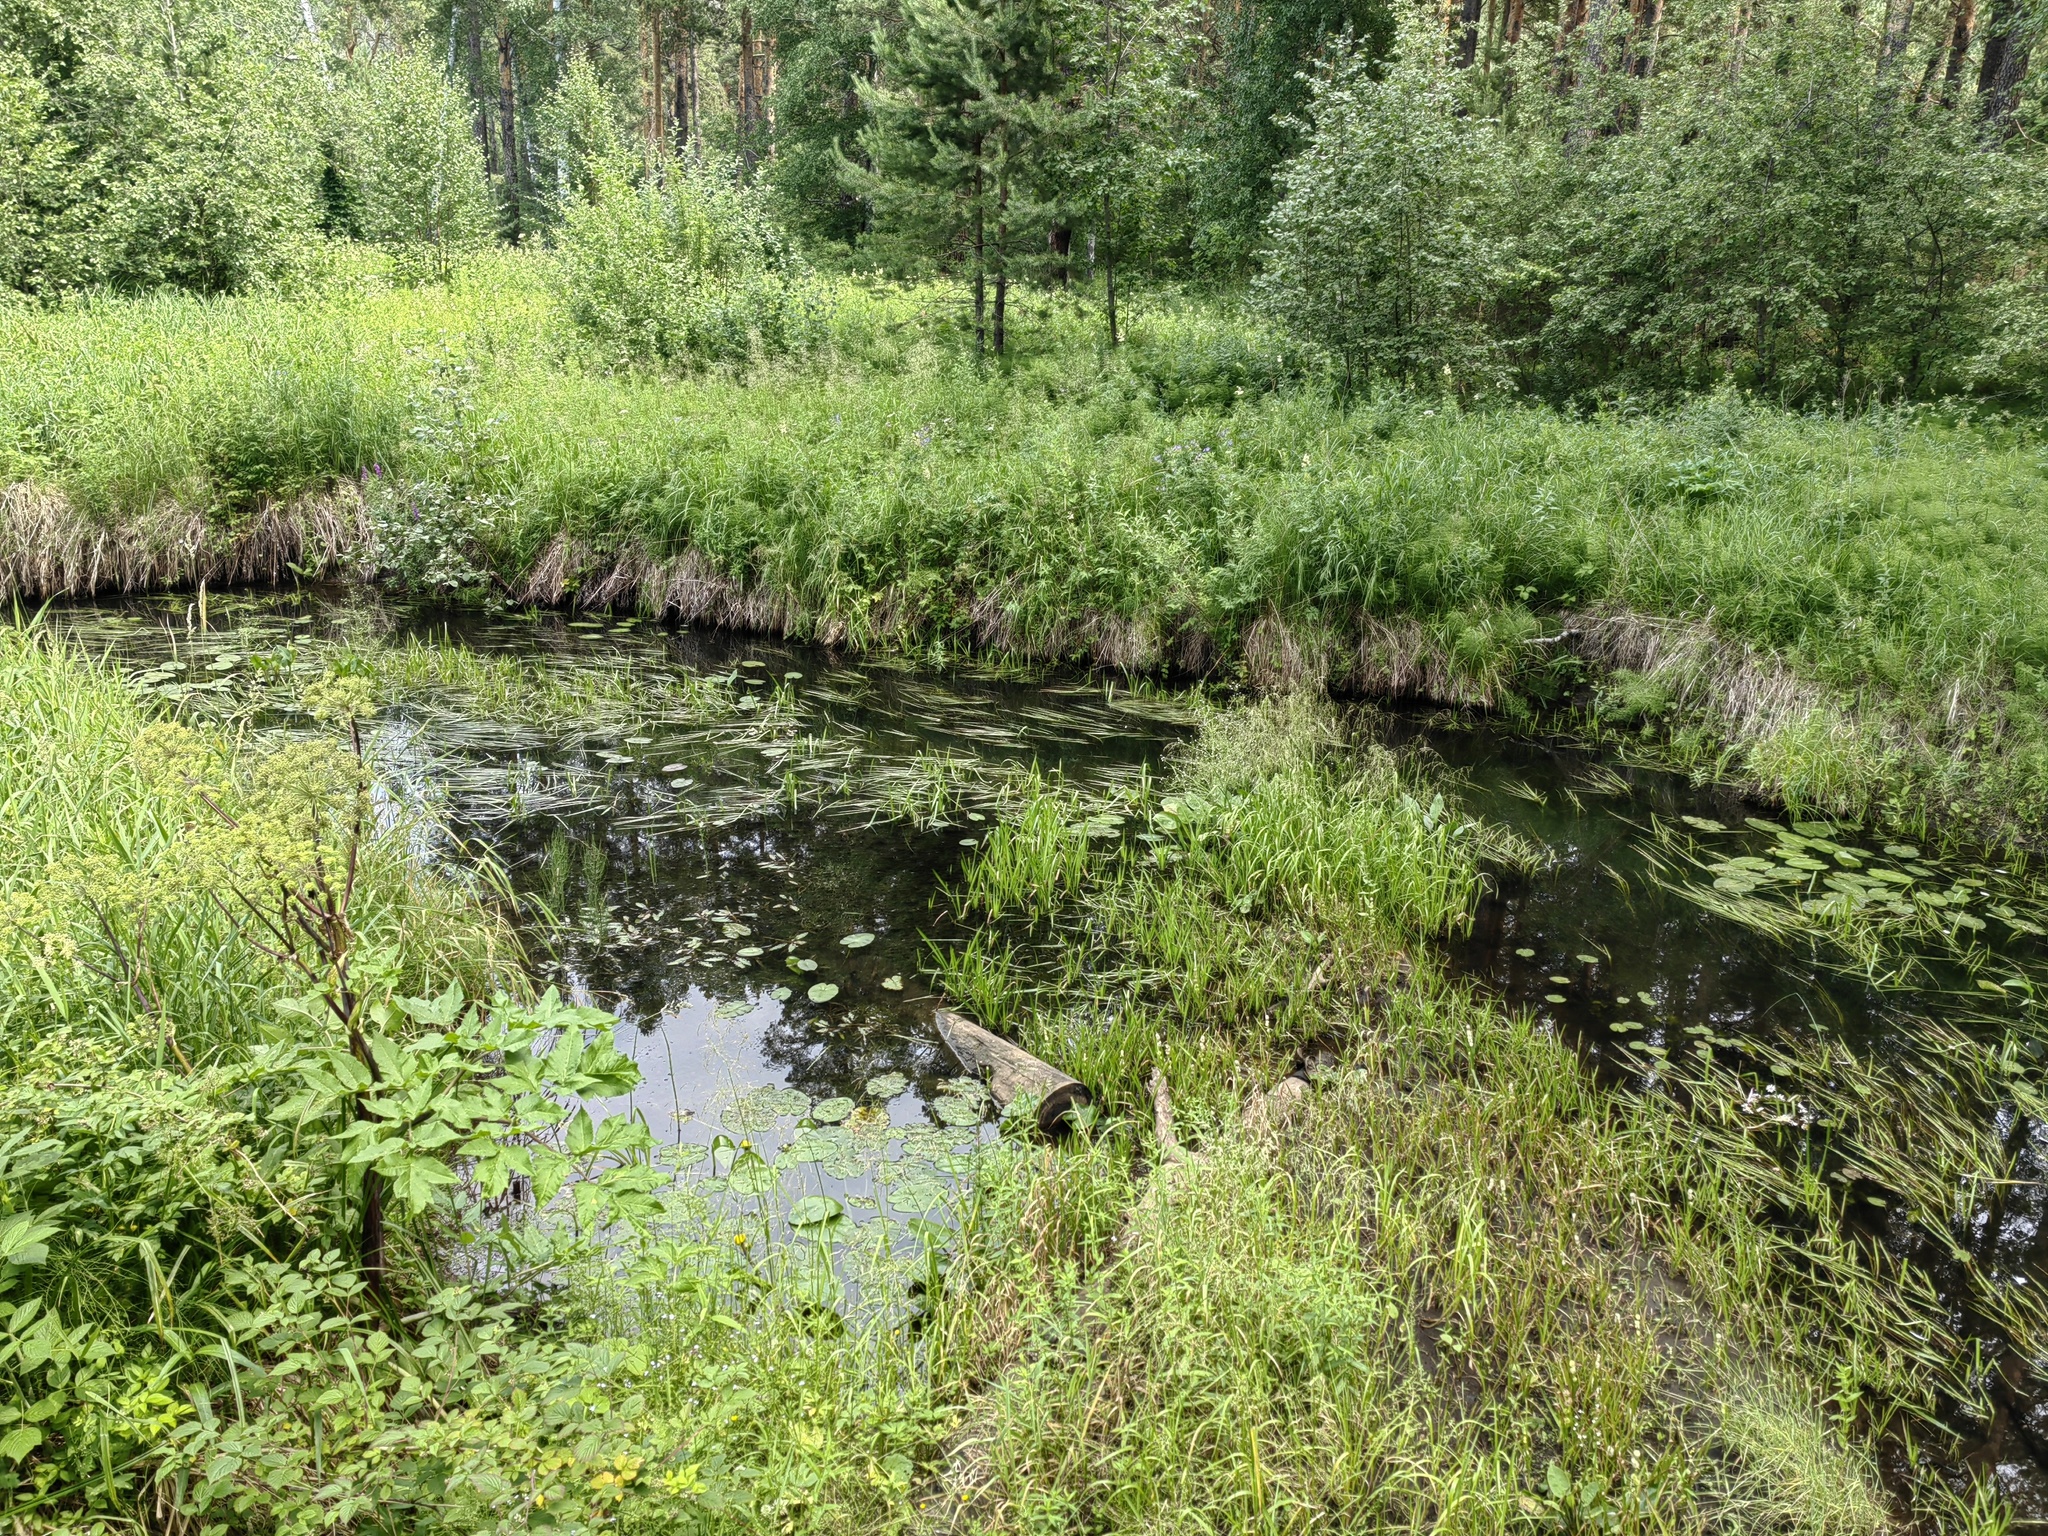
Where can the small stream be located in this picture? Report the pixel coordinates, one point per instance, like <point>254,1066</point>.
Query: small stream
<point>746,902</point>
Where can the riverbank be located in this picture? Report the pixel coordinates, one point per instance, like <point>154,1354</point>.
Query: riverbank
<point>1847,613</point>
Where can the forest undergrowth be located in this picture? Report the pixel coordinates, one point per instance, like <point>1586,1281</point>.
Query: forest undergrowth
<point>1843,611</point>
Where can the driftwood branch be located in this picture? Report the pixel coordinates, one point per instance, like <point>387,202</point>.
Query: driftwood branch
<point>1012,1071</point>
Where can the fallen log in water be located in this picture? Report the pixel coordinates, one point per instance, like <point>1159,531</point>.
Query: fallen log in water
<point>1011,1071</point>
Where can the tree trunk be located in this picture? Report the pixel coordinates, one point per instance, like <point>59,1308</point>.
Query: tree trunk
<point>696,105</point>
<point>1641,57</point>
<point>1958,51</point>
<point>1898,31</point>
<point>749,93</point>
<point>1468,35</point>
<point>1109,266</point>
<point>1597,13</point>
<point>678,97</point>
<point>372,1243</point>
<point>1940,51</point>
<point>1514,21</point>
<point>1060,241</point>
<point>656,117</point>
<point>980,270</point>
<point>478,93</point>
<point>2004,65</point>
<point>508,126</point>
<point>1012,1072</point>
<point>1002,261</point>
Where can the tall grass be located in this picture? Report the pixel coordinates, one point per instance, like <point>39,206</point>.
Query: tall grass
<point>112,933</point>
<point>1458,1284</point>
<point>1162,505</point>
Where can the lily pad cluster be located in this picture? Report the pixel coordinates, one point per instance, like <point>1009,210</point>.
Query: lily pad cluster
<point>784,1137</point>
<point>1809,872</point>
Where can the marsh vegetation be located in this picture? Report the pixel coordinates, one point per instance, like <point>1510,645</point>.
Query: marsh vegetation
<point>1443,606</point>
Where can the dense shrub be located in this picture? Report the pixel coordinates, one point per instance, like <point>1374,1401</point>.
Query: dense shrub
<point>683,273</point>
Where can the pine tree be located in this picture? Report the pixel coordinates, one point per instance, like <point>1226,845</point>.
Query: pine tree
<point>956,140</point>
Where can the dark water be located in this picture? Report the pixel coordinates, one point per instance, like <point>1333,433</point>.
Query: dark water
<point>680,871</point>
<point>663,872</point>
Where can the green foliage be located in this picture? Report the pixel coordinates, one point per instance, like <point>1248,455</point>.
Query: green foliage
<point>1271,51</point>
<point>1430,1274</point>
<point>414,166</point>
<point>1784,225</point>
<point>578,136</point>
<point>957,140</point>
<point>35,185</point>
<point>683,274</point>
<point>157,147</point>
<point>1133,506</point>
<point>822,48</point>
<point>1380,249</point>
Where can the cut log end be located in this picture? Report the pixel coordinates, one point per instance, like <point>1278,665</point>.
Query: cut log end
<point>1012,1072</point>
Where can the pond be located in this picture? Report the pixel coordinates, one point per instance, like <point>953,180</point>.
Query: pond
<point>743,849</point>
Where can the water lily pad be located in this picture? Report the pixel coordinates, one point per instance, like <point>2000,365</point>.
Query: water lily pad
<point>1587,959</point>
<point>751,1177</point>
<point>1562,981</point>
<point>822,992</point>
<point>782,994</point>
<point>732,1008</point>
<point>831,1111</point>
<point>751,951</point>
<point>1902,850</point>
<point>1623,1026</point>
<point>1646,1000</point>
<point>916,1194</point>
<point>1553,998</point>
<point>802,963</point>
<point>857,941</point>
<point>815,1211</point>
<point>887,1086</point>
<point>892,983</point>
<point>1703,823</point>
<point>1813,829</point>
<point>952,1109</point>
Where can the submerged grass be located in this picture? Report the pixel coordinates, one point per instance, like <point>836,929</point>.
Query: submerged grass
<point>1453,1282</point>
<point>1849,611</point>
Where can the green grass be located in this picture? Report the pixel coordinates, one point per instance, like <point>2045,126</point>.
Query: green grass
<point>119,927</point>
<point>1461,1264</point>
<point>1185,502</point>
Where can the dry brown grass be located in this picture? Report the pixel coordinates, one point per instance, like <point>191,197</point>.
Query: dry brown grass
<point>48,548</point>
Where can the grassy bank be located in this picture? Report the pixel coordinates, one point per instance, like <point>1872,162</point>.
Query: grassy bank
<point>1847,611</point>
<point>201,1098</point>
<point>1449,1283</point>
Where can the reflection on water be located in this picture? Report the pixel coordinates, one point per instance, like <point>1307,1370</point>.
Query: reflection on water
<point>1653,989</point>
<point>697,876</point>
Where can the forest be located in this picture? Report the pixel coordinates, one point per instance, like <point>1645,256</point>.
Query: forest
<point>1435,612</point>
